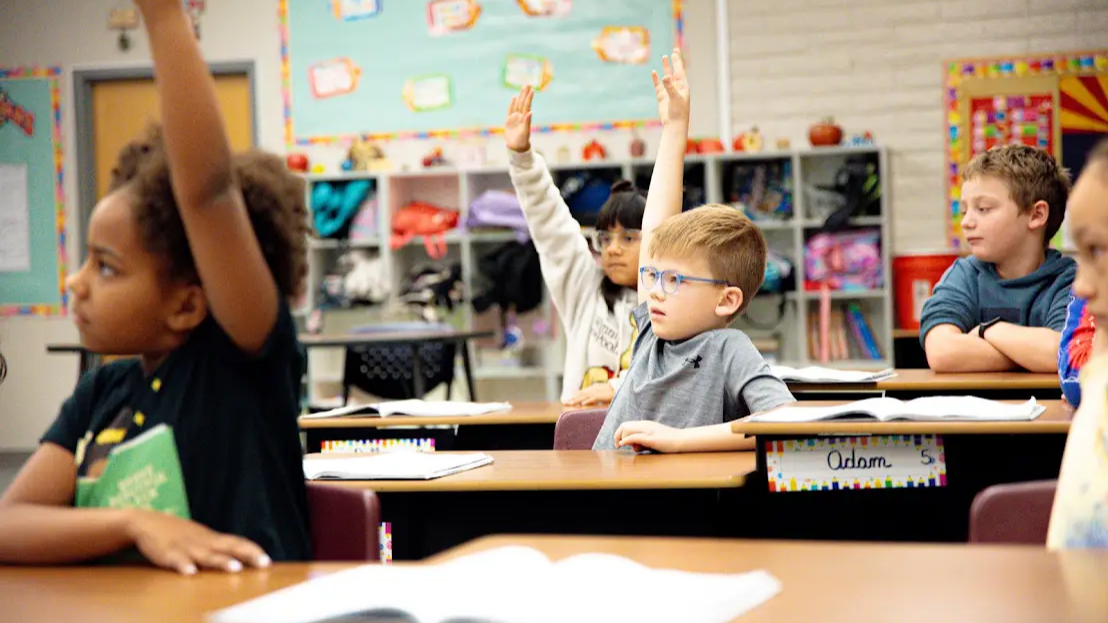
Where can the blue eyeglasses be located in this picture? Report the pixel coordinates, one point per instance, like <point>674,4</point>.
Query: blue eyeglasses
<point>670,279</point>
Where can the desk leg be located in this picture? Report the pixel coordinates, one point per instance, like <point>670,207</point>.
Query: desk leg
<point>467,366</point>
<point>418,382</point>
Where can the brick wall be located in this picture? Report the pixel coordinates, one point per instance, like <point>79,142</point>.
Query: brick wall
<point>877,65</point>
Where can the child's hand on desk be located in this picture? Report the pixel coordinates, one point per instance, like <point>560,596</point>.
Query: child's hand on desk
<point>646,434</point>
<point>185,546</point>
<point>595,394</point>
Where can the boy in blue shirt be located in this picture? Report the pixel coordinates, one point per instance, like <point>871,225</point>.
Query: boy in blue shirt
<point>1004,308</point>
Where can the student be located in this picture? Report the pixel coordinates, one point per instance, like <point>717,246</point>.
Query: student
<point>192,256</point>
<point>1080,515</point>
<point>690,374</point>
<point>594,302</point>
<point>1004,308</point>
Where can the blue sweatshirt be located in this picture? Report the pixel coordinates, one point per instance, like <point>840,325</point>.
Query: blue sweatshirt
<point>971,292</point>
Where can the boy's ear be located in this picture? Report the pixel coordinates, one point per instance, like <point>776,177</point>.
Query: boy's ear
<point>187,308</point>
<point>730,300</point>
<point>1038,214</point>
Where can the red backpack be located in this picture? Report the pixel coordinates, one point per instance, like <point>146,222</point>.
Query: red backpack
<point>423,219</point>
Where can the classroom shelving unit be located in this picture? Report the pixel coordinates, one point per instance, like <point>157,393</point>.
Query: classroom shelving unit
<point>536,374</point>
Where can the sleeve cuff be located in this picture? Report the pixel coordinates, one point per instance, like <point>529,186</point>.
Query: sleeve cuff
<point>521,159</point>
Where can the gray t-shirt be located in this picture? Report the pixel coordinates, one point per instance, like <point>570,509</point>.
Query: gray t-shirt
<point>711,378</point>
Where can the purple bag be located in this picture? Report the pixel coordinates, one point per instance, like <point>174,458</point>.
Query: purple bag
<point>498,209</point>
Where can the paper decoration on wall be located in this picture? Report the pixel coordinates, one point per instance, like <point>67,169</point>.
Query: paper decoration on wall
<point>15,232</point>
<point>124,18</point>
<point>195,8</point>
<point>1011,120</point>
<point>335,77</point>
<point>350,10</point>
<point>546,8</point>
<point>20,117</point>
<point>446,16</point>
<point>623,44</point>
<point>834,463</point>
<point>1062,101</point>
<point>431,92</point>
<point>524,69</point>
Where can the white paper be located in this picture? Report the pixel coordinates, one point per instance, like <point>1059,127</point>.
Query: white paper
<point>515,584</point>
<point>15,232</point>
<point>420,408</point>
<point>817,374</point>
<point>929,408</point>
<point>393,466</point>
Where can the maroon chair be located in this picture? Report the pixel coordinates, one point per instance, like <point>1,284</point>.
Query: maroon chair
<point>1012,513</point>
<point>343,523</point>
<point>577,430</point>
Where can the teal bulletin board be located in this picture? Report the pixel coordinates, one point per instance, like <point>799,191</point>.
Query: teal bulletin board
<point>32,207</point>
<point>396,69</point>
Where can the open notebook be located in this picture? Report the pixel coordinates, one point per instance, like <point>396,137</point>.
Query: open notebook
<point>817,374</point>
<point>412,407</point>
<point>392,465</point>
<point>517,585</point>
<point>931,408</point>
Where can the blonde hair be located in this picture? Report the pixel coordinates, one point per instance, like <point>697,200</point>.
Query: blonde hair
<point>732,244</point>
<point>1031,175</point>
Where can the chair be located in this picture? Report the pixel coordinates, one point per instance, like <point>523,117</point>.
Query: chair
<point>343,523</point>
<point>577,430</point>
<point>1012,513</point>
<point>386,370</point>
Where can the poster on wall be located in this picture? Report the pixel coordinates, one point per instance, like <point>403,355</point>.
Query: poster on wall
<point>1054,102</point>
<point>386,69</point>
<point>32,208</point>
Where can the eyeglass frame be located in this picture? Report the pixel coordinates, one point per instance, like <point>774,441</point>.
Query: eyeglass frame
<point>594,238</point>
<point>659,274</point>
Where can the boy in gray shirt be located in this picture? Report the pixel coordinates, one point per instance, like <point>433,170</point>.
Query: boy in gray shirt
<point>690,375</point>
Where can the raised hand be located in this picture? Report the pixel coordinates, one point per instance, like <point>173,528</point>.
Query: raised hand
<point>672,90</point>
<point>517,127</point>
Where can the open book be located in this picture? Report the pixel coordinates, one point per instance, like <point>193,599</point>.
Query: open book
<point>392,465</point>
<point>817,374</point>
<point>412,407</point>
<point>931,408</point>
<point>517,585</point>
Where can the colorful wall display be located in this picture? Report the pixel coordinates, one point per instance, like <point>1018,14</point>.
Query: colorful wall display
<point>1055,102</point>
<point>32,200</point>
<point>386,69</point>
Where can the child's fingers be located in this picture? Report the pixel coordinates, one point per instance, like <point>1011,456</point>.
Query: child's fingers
<point>530,96</point>
<point>211,559</point>
<point>667,82</point>
<point>667,69</point>
<point>512,105</point>
<point>242,549</point>
<point>654,77</point>
<point>527,118</point>
<point>174,559</point>
<point>678,63</point>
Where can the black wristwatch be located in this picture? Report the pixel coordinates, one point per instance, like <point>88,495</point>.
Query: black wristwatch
<point>985,325</point>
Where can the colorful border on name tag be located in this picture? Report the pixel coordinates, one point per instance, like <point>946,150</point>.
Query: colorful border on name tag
<point>781,482</point>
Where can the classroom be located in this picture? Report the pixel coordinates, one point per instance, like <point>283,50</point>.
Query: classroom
<point>324,302</point>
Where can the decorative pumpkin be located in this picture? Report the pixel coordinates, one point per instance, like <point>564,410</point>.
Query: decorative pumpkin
<point>752,140</point>
<point>737,144</point>
<point>638,146</point>
<point>826,133</point>
<point>709,146</point>
<point>690,147</point>
<point>594,151</point>
<point>297,162</point>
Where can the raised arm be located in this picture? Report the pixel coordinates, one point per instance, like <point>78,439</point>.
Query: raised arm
<point>663,200</point>
<point>568,265</point>
<point>241,292</point>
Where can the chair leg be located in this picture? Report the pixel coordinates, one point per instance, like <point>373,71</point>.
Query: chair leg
<point>467,366</point>
<point>418,381</point>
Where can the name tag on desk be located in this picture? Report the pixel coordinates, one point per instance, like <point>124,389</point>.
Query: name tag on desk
<point>865,462</point>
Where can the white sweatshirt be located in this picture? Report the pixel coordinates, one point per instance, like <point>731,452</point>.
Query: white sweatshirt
<point>598,342</point>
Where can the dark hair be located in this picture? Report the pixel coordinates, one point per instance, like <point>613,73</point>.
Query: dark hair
<point>624,207</point>
<point>274,199</point>
<point>3,367</point>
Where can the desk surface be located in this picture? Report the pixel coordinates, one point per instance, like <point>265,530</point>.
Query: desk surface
<point>353,339</point>
<point>825,582</point>
<point>521,413</point>
<point>916,380</point>
<point>576,470</point>
<point>863,583</point>
<point>1055,420</point>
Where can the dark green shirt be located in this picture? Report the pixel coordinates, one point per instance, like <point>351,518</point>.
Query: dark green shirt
<point>234,419</point>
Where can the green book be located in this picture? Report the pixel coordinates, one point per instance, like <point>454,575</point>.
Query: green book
<point>144,472</point>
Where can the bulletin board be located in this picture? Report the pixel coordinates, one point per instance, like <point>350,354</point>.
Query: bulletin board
<point>1055,102</point>
<point>393,69</point>
<point>32,206</point>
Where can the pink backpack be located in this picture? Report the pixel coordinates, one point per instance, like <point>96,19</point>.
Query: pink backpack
<point>849,260</point>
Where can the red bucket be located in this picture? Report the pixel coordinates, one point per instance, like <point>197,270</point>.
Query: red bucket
<point>914,276</point>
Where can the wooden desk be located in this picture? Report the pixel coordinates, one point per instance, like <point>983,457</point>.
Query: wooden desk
<point>977,455</point>
<point>1055,420</point>
<point>568,492</point>
<point>909,383</point>
<point>863,583</point>
<point>577,470</point>
<point>527,426</point>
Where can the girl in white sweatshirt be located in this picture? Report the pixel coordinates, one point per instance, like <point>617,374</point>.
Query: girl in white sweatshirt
<point>593,301</point>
